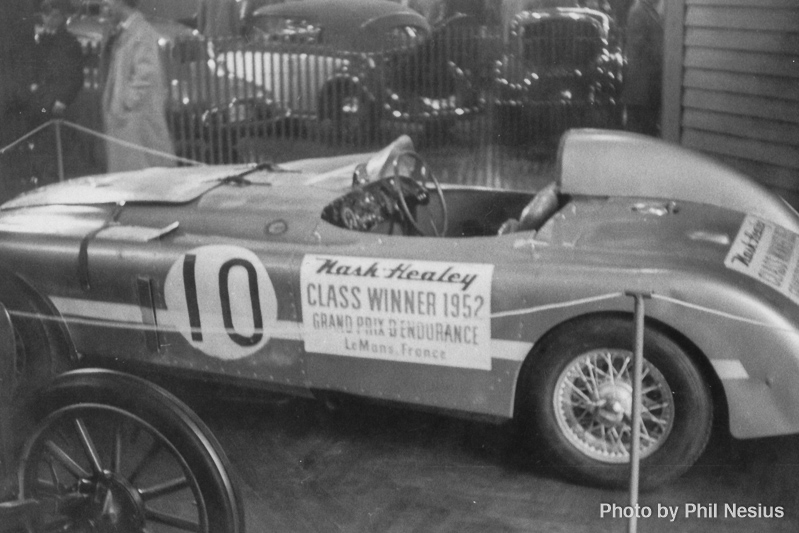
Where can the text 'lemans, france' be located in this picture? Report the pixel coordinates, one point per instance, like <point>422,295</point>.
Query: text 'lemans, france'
<point>399,310</point>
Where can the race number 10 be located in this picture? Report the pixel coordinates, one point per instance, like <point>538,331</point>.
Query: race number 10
<point>220,298</point>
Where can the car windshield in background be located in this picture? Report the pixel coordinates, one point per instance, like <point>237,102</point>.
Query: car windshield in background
<point>561,41</point>
<point>288,29</point>
<point>302,31</point>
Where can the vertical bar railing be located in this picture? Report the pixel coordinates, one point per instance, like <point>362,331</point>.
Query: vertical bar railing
<point>296,82</point>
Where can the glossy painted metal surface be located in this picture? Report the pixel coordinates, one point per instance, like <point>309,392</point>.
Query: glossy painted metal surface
<point>589,165</point>
<point>233,279</point>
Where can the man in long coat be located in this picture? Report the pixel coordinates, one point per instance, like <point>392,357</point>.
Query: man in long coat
<point>134,98</point>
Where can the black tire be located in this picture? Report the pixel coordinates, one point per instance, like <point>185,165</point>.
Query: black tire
<point>579,436</point>
<point>107,437</point>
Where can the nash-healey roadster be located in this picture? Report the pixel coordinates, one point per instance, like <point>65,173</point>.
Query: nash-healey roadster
<point>363,275</point>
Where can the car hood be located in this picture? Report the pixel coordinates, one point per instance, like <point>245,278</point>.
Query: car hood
<point>169,186</point>
<point>150,185</point>
<point>228,201</point>
<point>173,186</point>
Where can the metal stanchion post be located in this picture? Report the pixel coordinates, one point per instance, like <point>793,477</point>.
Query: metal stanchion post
<point>59,149</point>
<point>635,444</point>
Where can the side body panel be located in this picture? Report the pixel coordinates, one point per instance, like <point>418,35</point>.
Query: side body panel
<point>234,305</point>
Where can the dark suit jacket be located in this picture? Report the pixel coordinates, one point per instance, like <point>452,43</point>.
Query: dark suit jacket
<point>58,70</point>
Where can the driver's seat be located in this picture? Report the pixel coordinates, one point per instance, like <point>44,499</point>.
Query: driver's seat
<point>544,204</point>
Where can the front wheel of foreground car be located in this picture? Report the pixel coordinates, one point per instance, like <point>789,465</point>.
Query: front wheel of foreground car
<point>116,453</point>
<point>576,401</point>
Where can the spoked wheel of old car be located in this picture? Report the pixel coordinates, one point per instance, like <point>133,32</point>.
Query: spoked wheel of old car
<point>411,163</point>
<point>114,453</point>
<point>576,400</point>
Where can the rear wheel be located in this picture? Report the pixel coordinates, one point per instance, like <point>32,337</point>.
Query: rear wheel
<point>576,394</point>
<point>116,453</point>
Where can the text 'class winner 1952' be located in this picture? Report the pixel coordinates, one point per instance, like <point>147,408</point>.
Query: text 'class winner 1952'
<point>426,312</point>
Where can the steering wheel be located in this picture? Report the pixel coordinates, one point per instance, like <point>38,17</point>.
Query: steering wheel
<point>405,186</point>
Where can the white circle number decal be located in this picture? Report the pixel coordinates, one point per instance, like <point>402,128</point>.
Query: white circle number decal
<point>220,299</point>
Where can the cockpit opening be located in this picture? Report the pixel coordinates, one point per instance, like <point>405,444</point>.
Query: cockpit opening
<point>396,192</point>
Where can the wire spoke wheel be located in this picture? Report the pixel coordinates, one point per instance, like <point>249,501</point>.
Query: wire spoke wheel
<point>98,468</point>
<point>576,396</point>
<point>593,405</point>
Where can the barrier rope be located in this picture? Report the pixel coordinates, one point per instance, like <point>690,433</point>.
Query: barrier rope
<point>128,144</point>
<point>22,139</point>
<point>59,121</point>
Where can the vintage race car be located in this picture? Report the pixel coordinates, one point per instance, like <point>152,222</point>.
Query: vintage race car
<point>363,275</point>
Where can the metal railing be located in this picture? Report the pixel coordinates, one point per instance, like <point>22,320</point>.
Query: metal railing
<point>253,99</point>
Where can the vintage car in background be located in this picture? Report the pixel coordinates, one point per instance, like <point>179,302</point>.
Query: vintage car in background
<point>561,67</point>
<point>350,66</point>
<point>206,113</point>
<point>92,27</point>
<point>363,275</point>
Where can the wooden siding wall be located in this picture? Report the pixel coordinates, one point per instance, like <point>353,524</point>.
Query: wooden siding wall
<point>737,97</point>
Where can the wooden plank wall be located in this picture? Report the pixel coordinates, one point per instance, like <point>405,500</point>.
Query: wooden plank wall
<point>739,93</point>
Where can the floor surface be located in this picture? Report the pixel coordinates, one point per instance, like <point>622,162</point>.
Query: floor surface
<point>373,468</point>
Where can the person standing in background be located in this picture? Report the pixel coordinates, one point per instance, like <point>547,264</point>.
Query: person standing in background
<point>58,64</point>
<point>135,92</point>
<point>643,84</point>
<point>57,78</point>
